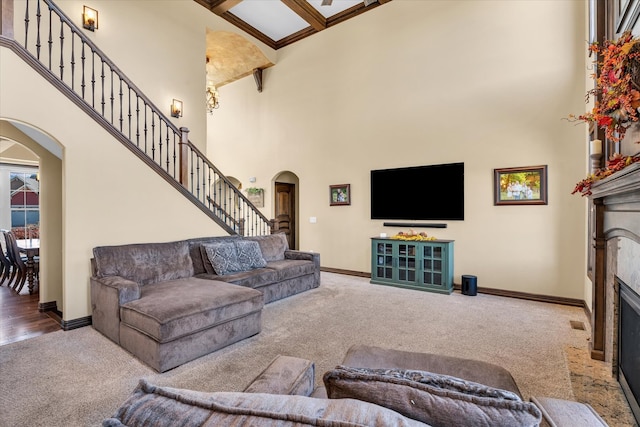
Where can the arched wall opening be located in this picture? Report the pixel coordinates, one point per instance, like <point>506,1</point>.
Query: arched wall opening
<point>49,153</point>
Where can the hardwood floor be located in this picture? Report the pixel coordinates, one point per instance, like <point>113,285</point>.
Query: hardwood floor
<point>20,318</point>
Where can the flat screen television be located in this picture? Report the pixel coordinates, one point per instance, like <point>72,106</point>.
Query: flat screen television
<point>431,192</point>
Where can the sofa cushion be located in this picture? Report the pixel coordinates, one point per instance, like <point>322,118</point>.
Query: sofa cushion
<point>223,257</point>
<point>144,263</point>
<point>256,278</point>
<point>435,399</point>
<point>249,255</point>
<point>291,268</point>
<point>272,246</point>
<point>176,308</point>
<point>164,406</point>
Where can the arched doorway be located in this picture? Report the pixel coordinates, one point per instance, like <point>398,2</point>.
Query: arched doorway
<point>49,154</point>
<point>285,186</point>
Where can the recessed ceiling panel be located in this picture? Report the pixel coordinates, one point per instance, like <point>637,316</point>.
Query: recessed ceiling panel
<point>271,17</point>
<point>336,7</point>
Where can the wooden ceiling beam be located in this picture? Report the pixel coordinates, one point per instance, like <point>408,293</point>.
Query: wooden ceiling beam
<point>308,13</point>
<point>221,6</point>
<point>218,6</point>
<point>317,21</point>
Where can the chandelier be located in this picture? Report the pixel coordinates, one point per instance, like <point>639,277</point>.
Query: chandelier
<point>213,99</point>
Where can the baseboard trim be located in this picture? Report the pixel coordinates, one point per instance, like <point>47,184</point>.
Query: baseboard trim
<point>81,322</point>
<point>47,306</point>
<point>346,272</point>
<point>51,309</point>
<point>574,302</point>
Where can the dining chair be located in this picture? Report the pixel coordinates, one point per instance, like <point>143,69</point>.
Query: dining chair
<point>9,271</point>
<point>19,264</point>
<point>7,274</point>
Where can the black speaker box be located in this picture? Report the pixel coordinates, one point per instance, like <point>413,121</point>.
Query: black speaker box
<point>469,285</point>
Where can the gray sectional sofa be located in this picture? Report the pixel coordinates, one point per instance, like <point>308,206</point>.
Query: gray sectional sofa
<point>172,302</point>
<point>373,386</point>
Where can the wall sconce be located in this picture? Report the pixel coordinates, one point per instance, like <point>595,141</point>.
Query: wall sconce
<point>213,99</point>
<point>176,108</point>
<point>89,18</point>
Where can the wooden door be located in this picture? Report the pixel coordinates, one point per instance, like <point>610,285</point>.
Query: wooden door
<point>285,213</point>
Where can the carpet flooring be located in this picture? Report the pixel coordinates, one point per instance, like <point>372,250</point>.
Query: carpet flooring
<point>79,377</point>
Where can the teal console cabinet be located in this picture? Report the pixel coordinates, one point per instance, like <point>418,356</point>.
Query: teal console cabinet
<point>425,265</point>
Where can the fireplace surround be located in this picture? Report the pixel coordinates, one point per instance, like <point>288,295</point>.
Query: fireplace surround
<point>615,273</point>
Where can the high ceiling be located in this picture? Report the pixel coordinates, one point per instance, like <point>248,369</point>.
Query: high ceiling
<point>278,23</point>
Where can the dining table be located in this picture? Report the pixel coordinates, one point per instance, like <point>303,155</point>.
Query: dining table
<point>31,248</point>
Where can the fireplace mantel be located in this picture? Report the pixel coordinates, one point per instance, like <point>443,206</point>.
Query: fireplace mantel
<point>625,182</point>
<point>615,212</point>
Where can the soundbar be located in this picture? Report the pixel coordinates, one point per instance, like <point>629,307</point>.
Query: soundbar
<point>414,224</point>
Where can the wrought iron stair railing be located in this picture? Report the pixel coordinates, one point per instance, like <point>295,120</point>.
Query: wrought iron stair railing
<point>60,51</point>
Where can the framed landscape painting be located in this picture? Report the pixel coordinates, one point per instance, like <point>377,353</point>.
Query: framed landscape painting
<point>339,194</point>
<point>520,186</point>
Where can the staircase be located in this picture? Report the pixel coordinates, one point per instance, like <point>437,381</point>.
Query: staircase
<point>57,49</point>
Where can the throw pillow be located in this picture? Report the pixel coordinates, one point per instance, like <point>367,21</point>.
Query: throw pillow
<point>205,261</point>
<point>151,405</point>
<point>249,255</point>
<point>434,399</point>
<point>223,257</point>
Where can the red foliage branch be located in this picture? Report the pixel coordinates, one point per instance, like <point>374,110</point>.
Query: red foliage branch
<point>617,93</point>
<point>616,163</point>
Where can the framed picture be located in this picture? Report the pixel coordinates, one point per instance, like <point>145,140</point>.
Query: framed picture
<point>340,194</point>
<point>520,186</point>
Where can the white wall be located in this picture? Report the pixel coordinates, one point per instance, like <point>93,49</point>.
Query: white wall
<point>107,195</point>
<point>414,83</point>
<point>160,46</point>
<point>50,196</point>
<point>409,83</point>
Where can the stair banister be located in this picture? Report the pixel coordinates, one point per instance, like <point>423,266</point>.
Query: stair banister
<point>140,124</point>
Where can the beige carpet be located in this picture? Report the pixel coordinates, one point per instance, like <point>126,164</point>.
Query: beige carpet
<point>78,378</point>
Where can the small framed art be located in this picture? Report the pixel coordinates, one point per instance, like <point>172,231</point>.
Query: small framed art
<point>520,186</point>
<point>340,194</point>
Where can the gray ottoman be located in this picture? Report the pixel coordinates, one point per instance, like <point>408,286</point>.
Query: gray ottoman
<point>362,356</point>
<point>177,321</point>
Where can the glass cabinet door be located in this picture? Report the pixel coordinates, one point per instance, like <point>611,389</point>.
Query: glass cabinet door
<point>384,260</point>
<point>433,265</point>
<point>407,264</point>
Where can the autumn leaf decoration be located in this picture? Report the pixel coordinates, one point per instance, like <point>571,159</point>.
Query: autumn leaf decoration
<point>617,91</point>
<point>616,163</point>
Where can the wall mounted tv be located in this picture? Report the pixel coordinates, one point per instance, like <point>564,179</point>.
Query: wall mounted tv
<point>432,192</point>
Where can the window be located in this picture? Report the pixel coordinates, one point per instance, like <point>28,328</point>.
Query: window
<point>25,204</point>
